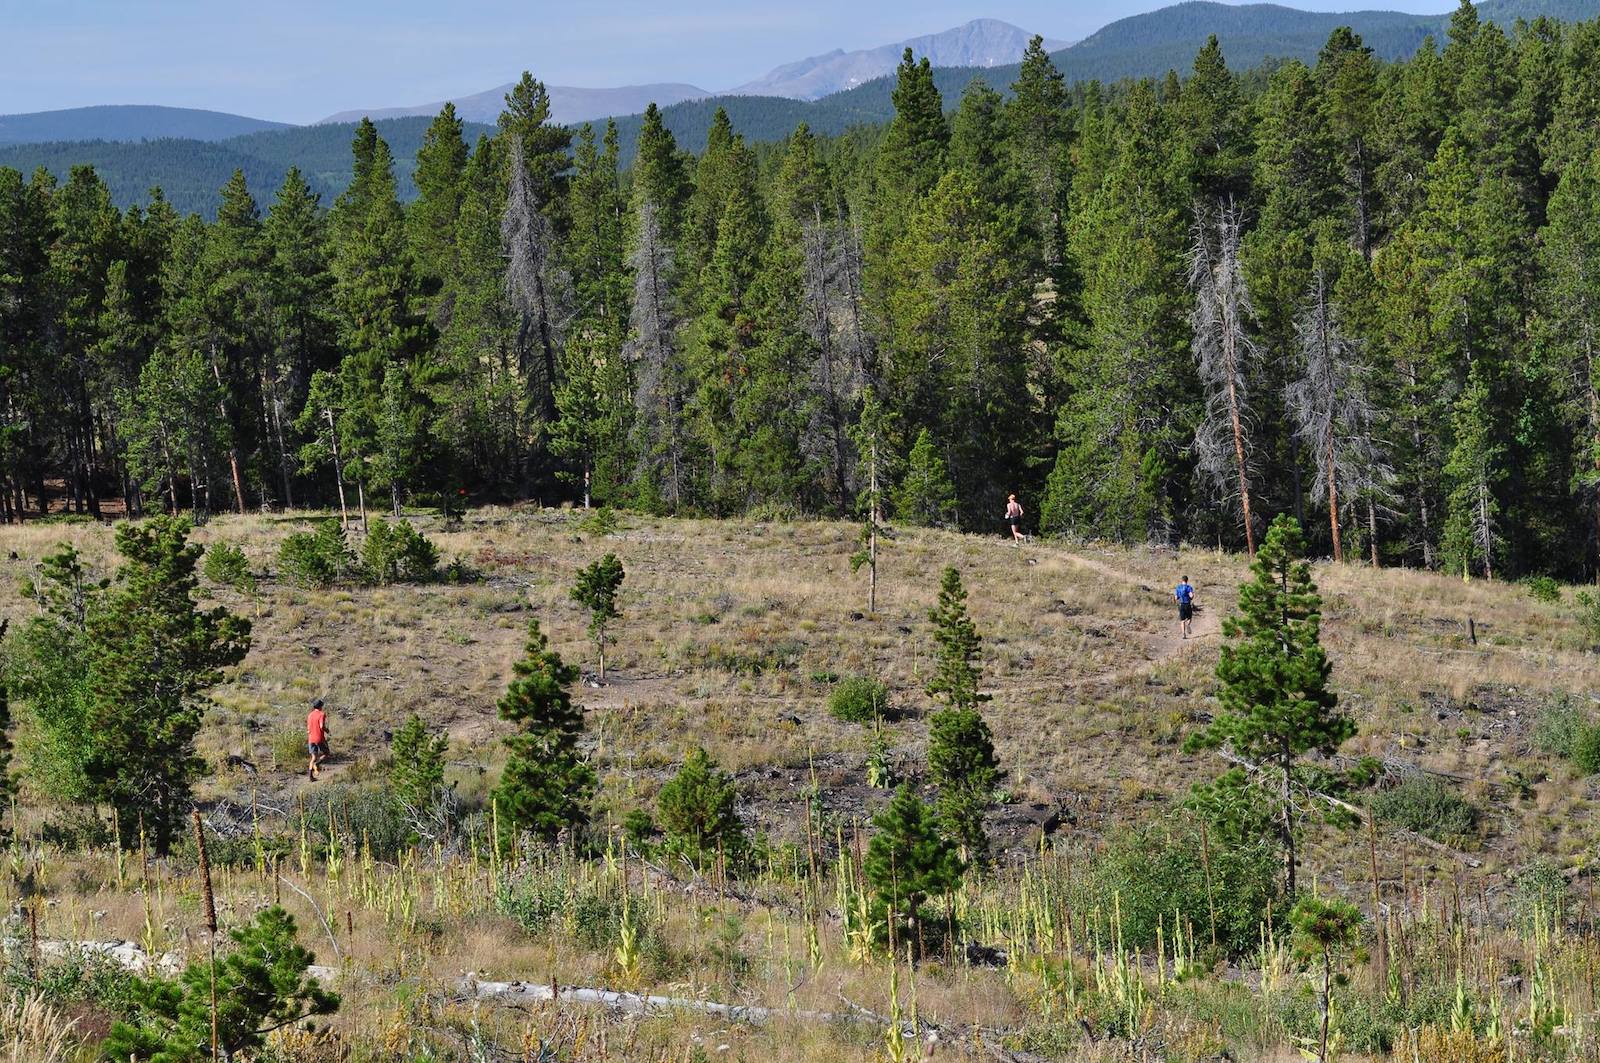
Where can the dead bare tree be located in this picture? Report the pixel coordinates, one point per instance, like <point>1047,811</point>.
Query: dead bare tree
<point>1226,356</point>
<point>538,291</point>
<point>1333,415</point>
<point>652,339</point>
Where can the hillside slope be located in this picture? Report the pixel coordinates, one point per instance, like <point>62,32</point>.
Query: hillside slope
<point>130,122</point>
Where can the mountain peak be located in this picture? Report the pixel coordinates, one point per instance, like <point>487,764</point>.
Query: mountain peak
<point>982,42</point>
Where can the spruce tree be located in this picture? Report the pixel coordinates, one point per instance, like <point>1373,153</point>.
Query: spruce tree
<point>431,221</point>
<point>909,864</point>
<point>925,497</point>
<point>547,783</point>
<point>1277,705</point>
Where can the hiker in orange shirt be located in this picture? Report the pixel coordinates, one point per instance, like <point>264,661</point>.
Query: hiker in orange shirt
<point>316,738</point>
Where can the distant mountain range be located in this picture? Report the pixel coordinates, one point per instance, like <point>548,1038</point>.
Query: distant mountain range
<point>568,105</point>
<point>191,169</point>
<point>127,122</point>
<point>982,42</point>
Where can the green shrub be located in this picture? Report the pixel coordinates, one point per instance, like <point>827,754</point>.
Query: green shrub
<point>416,765</point>
<point>1589,614</point>
<point>697,811</point>
<point>398,553</point>
<point>1541,896</point>
<point>350,817</point>
<point>859,699</point>
<point>599,523</point>
<point>1544,589</point>
<point>225,564</point>
<point>1586,749</point>
<point>316,558</point>
<point>1157,869</point>
<point>1426,806</point>
<point>1559,723</point>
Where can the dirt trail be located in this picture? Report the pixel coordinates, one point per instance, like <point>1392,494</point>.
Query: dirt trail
<point>1167,641</point>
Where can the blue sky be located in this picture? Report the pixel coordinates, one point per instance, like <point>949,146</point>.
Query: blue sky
<point>298,60</point>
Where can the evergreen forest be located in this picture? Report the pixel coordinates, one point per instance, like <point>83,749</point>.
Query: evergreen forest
<point>1363,293</point>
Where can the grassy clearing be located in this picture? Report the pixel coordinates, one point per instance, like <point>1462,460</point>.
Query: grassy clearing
<point>733,636</point>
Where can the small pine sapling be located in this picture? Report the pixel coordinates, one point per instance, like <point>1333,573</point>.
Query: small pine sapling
<point>910,863</point>
<point>416,764</point>
<point>697,809</point>
<point>1324,930</point>
<point>960,746</point>
<point>596,590</point>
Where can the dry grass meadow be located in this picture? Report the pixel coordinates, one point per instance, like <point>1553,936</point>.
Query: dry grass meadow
<point>732,633</point>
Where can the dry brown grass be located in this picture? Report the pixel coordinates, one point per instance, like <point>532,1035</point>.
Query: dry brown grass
<point>728,635</point>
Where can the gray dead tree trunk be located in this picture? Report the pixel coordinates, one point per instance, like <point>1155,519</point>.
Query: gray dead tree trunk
<point>1226,356</point>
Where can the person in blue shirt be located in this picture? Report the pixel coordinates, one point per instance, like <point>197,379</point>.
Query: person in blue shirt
<point>1183,594</point>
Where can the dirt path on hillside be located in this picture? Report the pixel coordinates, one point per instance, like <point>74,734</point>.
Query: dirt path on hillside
<point>1162,644</point>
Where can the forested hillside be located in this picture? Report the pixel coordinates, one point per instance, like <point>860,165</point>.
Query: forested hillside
<point>1366,295</point>
<point>190,172</point>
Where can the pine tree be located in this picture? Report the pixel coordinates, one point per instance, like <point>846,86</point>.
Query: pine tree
<point>698,811</point>
<point>1568,324</point>
<point>536,288</point>
<point>545,144</point>
<point>1277,705</point>
<point>961,757</point>
<point>909,863</point>
<point>152,653</point>
<point>1119,473</point>
<point>431,221</point>
<point>416,764</point>
<point>596,590</point>
<point>1038,136</point>
<point>262,984</point>
<point>652,348</point>
<point>547,783</point>
<point>959,317</point>
<point>925,496</point>
<point>301,318</point>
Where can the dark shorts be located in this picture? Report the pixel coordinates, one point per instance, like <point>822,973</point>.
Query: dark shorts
<point>1185,610</point>
<point>317,749</point>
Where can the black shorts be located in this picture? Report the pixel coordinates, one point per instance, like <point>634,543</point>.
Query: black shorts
<point>1185,610</point>
<point>317,749</point>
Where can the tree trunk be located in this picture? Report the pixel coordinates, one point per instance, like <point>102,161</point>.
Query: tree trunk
<point>1372,529</point>
<point>233,442</point>
<point>1287,825</point>
<point>338,472</point>
<point>872,534</point>
<point>1238,456</point>
<point>1333,502</point>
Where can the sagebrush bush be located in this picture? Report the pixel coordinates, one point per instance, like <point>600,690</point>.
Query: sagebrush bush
<point>859,699</point>
<point>398,553</point>
<point>225,564</point>
<point>1426,806</point>
<point>316,558</point>
<point>1556,729</point>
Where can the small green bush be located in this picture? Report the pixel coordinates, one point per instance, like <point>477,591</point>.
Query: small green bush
<point>398,553</point>
<point>1427,806</point>
<point>1589,614</point>
<point>1586,749</point>
<point>225,564</point>
<point>859,699</point>
<point>1541,896</point>
<point>599,523</point>
<point>316,558</point>
<point>1556,730</point>
<point>1152,871</point>
<point>1544,589</point>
